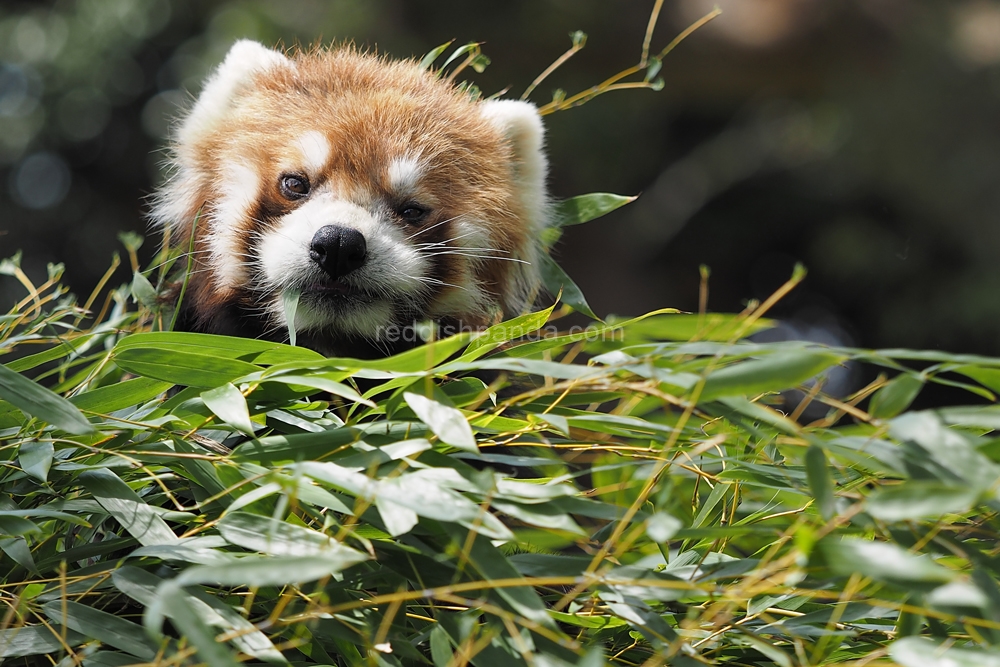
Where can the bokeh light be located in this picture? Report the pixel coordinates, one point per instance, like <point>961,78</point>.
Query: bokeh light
<point>40,181</point>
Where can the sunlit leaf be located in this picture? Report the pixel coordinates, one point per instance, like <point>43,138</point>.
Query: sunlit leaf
<point>448,423</point>
<point>229,404</point>
<point>780,370</point>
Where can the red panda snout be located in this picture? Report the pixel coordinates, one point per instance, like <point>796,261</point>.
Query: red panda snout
<point>338,250</point>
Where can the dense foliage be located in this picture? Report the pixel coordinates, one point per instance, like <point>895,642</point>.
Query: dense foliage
<point>657,491</point>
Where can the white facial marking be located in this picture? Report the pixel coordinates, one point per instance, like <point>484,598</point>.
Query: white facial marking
<point>315,150</point>
<point>404,174</point>
<point>176,203</point>
<point>239,188</point>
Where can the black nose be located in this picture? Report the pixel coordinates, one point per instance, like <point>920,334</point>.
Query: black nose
<point>338,249</point>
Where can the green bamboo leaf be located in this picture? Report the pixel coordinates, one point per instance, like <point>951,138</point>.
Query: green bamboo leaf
<point>584,208</point>
<point>120,395</point>
<point>613,332</point>
<point>661,527</point>
<point>416,360</point>
<point>16,525</point>
<point>501,333</point>
<point>784,369</point>
<point>684,327</point>
<point>820,482</point>
<point>441,651</point>
<point>34,640</point>
<point>143,587</point>
<point>593,622</point>
<point>35,458</point>
<point>927,652</point>
<point>542,516</point>
<point>433,55</point>
<point>279,538</point>
<point>714,498</point>
<point>121,502</point>
<point>143,291</point>
<point>290,306</point>
<point>63,349</point>
<point>447,423</point>
<point>556,281</point>
<point>528,366</point>
<point>296,447</point>
<point>42,403</point>
<point>918,499</point>
<point>883,561</point>
<point>778,656</point>
<point>988,377</point>
<point>896,396</point>
<point>949,449</point>
<point>229,405</point>
<point>10,416</point>
<point>322,384</point>
<point>176,605</point>
<point>250,350</point>
<point>459,52</point>
<point>18,550</point>
<point>524,600</point>
<point>102,626</point>
<point>183,368</point>
<point>271,570</point>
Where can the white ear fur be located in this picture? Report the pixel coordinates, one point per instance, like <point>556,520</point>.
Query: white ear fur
<point>245,58</point>
<point>521,124</point>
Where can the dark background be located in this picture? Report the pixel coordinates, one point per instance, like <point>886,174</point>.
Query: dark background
<point>861,138</point>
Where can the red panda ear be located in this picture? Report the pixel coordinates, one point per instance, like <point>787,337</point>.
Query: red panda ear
<point>179,199</point>
<point>245,58</point>
<point>521,124</point>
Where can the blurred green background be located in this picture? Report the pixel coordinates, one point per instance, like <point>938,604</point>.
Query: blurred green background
<point>860,137</point>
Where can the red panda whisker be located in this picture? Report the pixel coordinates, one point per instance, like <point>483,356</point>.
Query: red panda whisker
<point>480,256</point>
<point>436,224</point>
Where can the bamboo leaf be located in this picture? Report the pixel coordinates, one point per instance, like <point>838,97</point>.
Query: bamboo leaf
<point>120,395</point>
<point>271,571</point>
<point>183,368</point>
<point>896,396</point>
<point>556,281</point>
<point>34,640</point>
<point>35,458</point>
<point>783,369</point>
<point>42,403</point>
<point>229,404</point>
<point>108,628</point>
<point>818,474</point>
<point>917,499</point>
<point>447,423</point>
<point>135,516</point>
<point>584,208</point>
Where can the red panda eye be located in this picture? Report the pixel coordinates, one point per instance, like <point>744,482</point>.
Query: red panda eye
<point>294,186</point>
<point>412,212</point>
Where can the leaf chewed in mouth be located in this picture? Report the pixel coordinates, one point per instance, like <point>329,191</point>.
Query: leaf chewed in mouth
<point>290,304</point>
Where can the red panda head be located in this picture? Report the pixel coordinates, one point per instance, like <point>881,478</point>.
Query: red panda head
<point>372,190</point>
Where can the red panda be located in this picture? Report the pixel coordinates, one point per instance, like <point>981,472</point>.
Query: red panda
<point>373,190</point>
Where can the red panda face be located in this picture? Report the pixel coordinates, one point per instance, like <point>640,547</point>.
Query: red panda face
<point>371,191</point>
